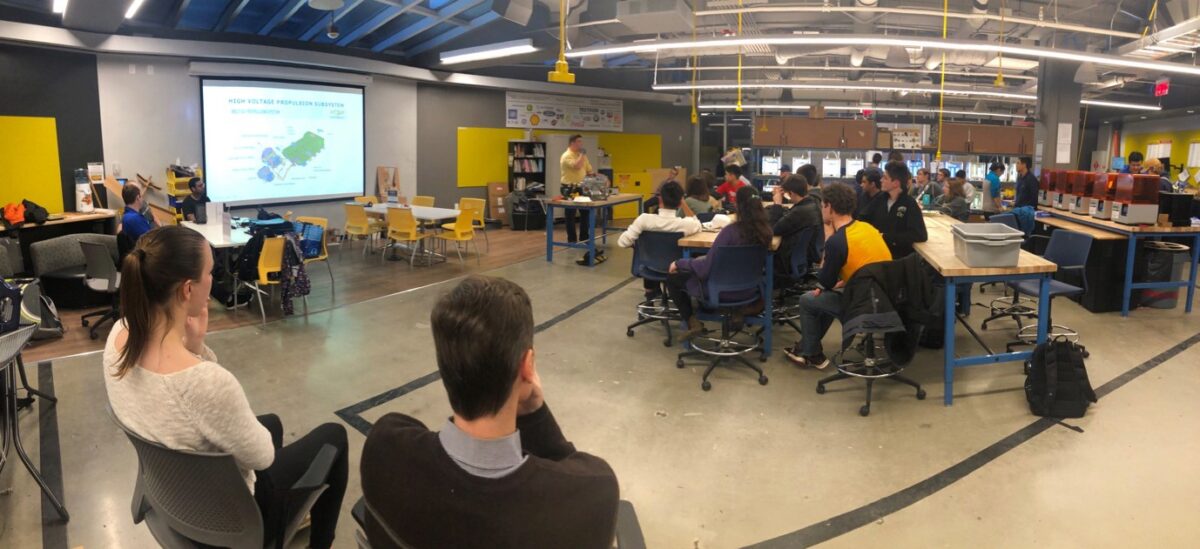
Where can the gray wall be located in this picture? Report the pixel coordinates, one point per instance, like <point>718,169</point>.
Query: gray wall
<point>441,110</point>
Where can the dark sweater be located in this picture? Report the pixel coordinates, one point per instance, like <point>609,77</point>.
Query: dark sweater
<point>788,223</point>
<point>902,225</point>
<point>558,498</point>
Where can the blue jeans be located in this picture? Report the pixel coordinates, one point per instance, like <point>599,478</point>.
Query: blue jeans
<point>816,316</point>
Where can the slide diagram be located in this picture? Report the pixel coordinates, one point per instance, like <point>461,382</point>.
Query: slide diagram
<point>277,164</point>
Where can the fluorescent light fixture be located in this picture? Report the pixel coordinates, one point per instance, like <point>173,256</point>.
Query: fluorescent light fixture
<point>1011,63</point>
<point>858,108</point>
<point>488,51</point>
<point>870,86</point>
<point>704,45</point>
<point>133,8</point>
<point>59,6</point>
<point>1118,105</point>
<point>819,68</point>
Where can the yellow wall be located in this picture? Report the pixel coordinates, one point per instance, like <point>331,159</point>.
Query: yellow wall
<point>483,155</point>
<point>1180,140</point>
<point>29,165</point>
<point>631,153</point>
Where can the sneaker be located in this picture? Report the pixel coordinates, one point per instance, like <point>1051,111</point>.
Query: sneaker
<point>818,361</point>
<point>584,260</point>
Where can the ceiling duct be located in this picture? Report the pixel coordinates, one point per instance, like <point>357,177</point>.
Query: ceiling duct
<point>862,26</point>
<point>599,10</point>
<point>517,11</point>
<point>655,16</point>
<point>103,16</point>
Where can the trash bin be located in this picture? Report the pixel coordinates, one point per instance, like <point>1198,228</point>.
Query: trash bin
<point>526,213</point>
<point>1164,263</point>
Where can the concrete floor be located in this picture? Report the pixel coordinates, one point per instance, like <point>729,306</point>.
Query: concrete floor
<point>741,465</point>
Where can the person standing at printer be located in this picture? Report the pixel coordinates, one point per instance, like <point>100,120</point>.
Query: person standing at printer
<point>1027,184</point>
<point>575,166</point>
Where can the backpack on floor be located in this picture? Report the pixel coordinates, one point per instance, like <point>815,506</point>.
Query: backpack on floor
<point>10,307</point>
<point>1057,384</point>
<point>38,309</point>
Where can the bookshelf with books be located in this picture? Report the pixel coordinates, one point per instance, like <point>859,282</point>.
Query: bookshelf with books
<point>526,165</point>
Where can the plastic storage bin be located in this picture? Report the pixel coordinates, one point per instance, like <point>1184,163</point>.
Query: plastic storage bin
<point>987,244</point>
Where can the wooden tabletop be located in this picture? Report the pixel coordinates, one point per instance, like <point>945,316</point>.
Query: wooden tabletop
<point>1096,233</point>
<point>73,217</point>
<point>704,239</point>
<point>610,201</point>
<point>1118,227</point>
<point>938,251</point>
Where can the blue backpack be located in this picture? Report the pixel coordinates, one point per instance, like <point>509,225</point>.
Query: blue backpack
<point>311,237</point>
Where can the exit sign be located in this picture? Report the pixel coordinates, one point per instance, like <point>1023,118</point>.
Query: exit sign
<point>1162,86</point>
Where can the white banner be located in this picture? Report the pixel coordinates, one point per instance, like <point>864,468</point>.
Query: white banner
<point>534,110</point>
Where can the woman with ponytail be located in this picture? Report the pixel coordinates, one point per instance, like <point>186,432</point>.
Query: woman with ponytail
<point>165,384</point>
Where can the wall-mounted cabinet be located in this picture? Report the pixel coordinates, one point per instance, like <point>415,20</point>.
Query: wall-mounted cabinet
<point>776,131</point>
<point>986,139</point>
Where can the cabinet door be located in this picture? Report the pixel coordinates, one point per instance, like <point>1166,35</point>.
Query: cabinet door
<point>954,137</point>
<point>813,134</point>
<point>768,131</point>
<point>859,134</point>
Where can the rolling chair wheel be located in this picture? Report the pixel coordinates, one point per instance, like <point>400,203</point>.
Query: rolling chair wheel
<point>820,389</point>
<point>93,335</point>
<point>1026,368</point>
<point>864,411</point>
<point>1086,354</point>
<point>762,380</point>
<point>85,323</point>
<point>666,343</point>
<point>762,358</point>
<point>679,363</point>
<point>921,394</point>
<point>706,385</point>
<point>629,333</point>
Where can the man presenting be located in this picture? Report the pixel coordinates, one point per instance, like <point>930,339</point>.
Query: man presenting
<point>575,166</point>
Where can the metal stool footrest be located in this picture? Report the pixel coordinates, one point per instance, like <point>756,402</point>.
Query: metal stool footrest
<point>716,346</point>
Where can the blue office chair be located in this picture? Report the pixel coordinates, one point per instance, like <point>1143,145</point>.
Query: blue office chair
<point>1067,249</point>
<point>798,280</point>
<point>653,254</point>
<point>735,270</point>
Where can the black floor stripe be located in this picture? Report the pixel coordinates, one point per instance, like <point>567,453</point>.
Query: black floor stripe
<point>846,522</point>
<point>352,414</point>
<point>54,530</point>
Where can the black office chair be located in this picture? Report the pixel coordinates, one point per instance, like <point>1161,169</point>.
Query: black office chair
<point>653,254</point>
<point>799,280</point>
<point>734,270</point>
<point>1069,250</point>
<point>101,276</point>
<point>875,342</point>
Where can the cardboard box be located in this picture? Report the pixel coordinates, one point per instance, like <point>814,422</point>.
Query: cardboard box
<point>496,193</point>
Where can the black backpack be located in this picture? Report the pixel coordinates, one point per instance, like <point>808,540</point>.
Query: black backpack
<point>34,213</point>
<point>1057,384</point>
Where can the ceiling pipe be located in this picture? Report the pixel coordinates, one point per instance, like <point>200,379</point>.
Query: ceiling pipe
<point>918,12</point>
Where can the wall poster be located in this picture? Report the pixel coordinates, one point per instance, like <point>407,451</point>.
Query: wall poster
<point>534,110</point>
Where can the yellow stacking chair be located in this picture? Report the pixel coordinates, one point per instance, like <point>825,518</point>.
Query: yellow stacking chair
<point>324,225</point>
<point>402,227</point>
<point>358,224</point>
<point>422,201</point>
<point>366,200</point>
<point>463,234</point>
<point>476,207</point>
<point>270,261</point>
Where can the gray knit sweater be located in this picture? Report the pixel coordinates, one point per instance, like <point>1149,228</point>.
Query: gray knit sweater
<point>202,408</point>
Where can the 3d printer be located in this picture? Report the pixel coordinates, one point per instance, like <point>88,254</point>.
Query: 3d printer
<point>1080,193</point>
<point>1104,192</point>
<point>1137,200</point>
<point>1047,186</point>
<point>1062,196</point>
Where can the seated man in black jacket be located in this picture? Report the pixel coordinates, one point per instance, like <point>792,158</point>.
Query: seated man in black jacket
<point>788,223</point>
<point>499,473</point>
<point>895,213</point>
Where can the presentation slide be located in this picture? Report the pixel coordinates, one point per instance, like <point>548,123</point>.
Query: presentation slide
<point>270,142</point>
